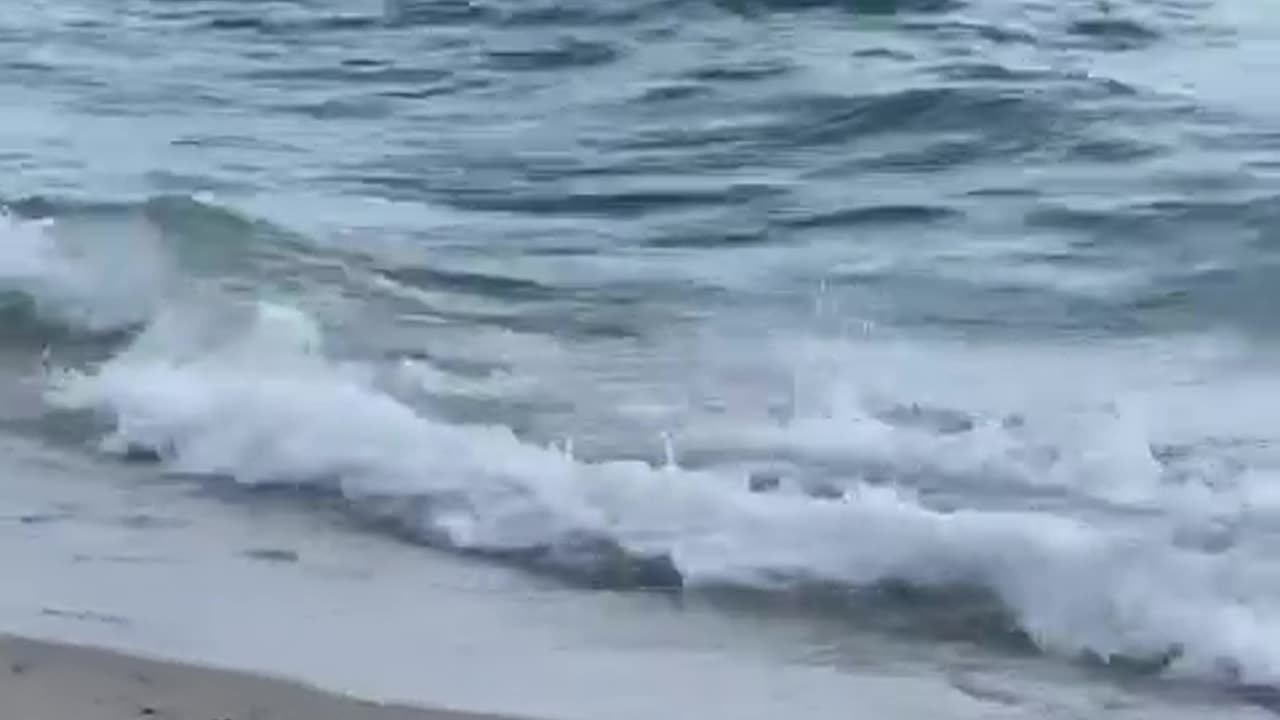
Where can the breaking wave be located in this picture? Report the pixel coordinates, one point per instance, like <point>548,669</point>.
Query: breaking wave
<point>96,280</point>
<point>251,395</point>
<point>1124,528</point>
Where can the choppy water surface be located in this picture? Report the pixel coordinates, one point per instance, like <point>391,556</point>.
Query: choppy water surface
<point>948,322</point>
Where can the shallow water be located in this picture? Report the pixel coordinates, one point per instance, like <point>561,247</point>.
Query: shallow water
<point>981,287</point>
<point>163,568</point>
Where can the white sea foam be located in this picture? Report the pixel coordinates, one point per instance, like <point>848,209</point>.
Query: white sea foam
<point>260,402</point>
<point>95,276</point>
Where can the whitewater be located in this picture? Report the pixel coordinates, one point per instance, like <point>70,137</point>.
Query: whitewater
<point>1133,538</point>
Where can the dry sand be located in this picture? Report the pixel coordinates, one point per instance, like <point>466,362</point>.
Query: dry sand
<point>45,681</point>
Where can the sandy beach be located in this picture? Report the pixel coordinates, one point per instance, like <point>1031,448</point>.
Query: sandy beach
<point>44,681</point>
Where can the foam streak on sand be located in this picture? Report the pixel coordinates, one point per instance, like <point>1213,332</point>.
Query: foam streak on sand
<point>46,681</point>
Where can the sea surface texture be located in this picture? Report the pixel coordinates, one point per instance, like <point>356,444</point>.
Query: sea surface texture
<point>815,341</point>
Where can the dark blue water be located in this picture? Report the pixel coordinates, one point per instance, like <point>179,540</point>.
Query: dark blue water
<point>953,318</point>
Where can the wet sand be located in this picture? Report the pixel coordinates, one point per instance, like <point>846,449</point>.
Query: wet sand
<point>46,681</point>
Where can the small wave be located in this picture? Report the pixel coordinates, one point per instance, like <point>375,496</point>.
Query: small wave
<point>355,73</point>
<point>23,324</point>
<point>1006,120</point>
<point>524,13</point>
<point>862,7</point>
<point>563,54</point>
<point>188,219</point>
<point>713,238</point>
<point>876,215</point>
<point>619,202</point>
<point>1114,33</point>
<point>486,285</point>
<point>987,71</point>
<point>74,270</point>
<point>261,403</point>
<point>262,24</point>
<point>753,70</point>
<point>402,13</point>
<point>100,278</point>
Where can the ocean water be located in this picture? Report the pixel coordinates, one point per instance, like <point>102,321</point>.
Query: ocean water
<point>690,358</point>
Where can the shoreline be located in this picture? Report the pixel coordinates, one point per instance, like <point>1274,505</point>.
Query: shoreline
<point>43,680</point>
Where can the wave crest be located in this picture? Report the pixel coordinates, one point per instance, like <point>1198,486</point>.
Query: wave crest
<point>259,401</point>
<point>98,277</point>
